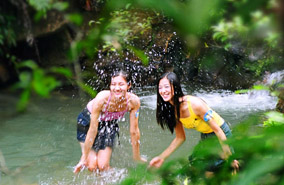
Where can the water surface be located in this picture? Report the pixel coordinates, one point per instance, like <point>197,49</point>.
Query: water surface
<point>40,146</point>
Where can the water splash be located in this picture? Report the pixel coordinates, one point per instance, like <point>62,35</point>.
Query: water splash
<point>253,101</point>
<point>274,78</point>
<point>224,100</point>
<point>112,176</point>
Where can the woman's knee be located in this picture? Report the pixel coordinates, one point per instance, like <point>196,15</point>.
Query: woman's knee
<point>92,168</point>
<point>104,158</point>
<point>92,164</point>
<point>103,165</point>
<point>92,161</point>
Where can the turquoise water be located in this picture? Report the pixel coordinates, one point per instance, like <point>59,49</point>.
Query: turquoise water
<point>40,146</point>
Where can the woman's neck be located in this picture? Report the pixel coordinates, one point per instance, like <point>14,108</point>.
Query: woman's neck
<point>118,100</point>
<point>172,100</point>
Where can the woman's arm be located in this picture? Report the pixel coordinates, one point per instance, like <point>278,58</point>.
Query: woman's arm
<point>92,132</point>
<point>134,129</point>
<point>203,109</point>
<point>200,108</point>
<point>179,139</point>
<point>221,137</point>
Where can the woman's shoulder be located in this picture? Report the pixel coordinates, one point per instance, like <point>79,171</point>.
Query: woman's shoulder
<point>102,95</point>
<point>132,96</point>
<point>187,98</point>
<point>193,100</point>
<point>197,103</point>
<point>133,99</point>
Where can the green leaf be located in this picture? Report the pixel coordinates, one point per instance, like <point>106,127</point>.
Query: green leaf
<point>43,84</point>
<point>24,99</point>
<point>242,91</point>
<point>140,54</point>
<point>88,89</point>
<point>93,22</point>
<point>75,18</point>
<point>28,63</point>
<point>228,46</point>
<point>260,87</point>
<point>40,4</point>
<point>61,70</point>
<point>25,80</point>
<point>39,15</point>
<point>60,6</point>
<point>127,6</point>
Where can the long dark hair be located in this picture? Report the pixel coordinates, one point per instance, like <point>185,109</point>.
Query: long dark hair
<point>167,114</point>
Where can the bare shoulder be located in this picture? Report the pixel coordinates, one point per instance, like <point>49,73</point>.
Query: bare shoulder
<point>134,101</point>
<point>183,100</point>
<point>102,97</point>
<point>197,103</point>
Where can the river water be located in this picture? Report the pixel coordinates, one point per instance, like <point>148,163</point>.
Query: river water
<point>40,146</point>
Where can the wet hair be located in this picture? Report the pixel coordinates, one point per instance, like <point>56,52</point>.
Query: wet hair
<point>123,74</point>
<point>167,114</point>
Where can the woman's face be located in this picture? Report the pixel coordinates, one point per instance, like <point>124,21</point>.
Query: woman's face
<point>165,90</point>
<point>118,86</point>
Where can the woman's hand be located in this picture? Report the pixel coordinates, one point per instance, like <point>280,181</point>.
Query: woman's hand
<point>80,166</point>
<point>235,164</point>
<point>178,140</point>
<point>156,162</point>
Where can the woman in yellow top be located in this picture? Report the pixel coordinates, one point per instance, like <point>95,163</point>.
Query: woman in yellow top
<point>176,111</point>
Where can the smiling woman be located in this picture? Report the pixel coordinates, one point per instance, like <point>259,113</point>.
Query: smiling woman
<point>98,124</point>
<point>177,111</point>
<point>166,90</point>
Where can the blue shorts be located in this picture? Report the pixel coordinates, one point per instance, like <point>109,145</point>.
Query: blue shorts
<point>226,129</point>
<point>107,131</point>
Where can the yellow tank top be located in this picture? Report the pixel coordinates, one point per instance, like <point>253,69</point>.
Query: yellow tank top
<point>197,123</point>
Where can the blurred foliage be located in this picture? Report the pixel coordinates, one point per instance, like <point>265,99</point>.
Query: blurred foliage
<point>251,30</point>
<point>7,34</point>
<point>43,6</point>
<point>258,149</point>
<point>75,18</point>
<point>120,22</point>
<point>124,26</point>
<point>238,26</point>
<point>33,79</point>
<point>198,13</point>
<point>274,118</point>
